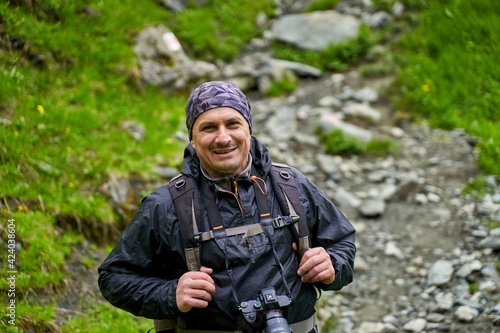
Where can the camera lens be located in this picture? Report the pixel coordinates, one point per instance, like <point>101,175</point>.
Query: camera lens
<point>276,323</point>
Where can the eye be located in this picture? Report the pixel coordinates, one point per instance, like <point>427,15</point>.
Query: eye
<point>208,128</point>
<point>233,123</point>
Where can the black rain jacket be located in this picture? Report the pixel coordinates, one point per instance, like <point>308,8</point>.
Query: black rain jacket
<point>140,274</point>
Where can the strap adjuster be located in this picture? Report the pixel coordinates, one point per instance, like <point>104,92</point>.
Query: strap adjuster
<point>283,221</point>
<point>198,237</point>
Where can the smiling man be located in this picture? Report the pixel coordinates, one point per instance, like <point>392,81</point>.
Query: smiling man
<point>266,236</point>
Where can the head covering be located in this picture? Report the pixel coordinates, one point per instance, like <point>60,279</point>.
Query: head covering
<point>216,94</point>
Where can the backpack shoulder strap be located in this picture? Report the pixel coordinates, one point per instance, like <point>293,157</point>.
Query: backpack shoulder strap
<point>283,176</point>
<point>187,205</point>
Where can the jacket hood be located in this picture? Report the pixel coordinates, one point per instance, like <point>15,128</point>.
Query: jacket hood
<point>260,156</point>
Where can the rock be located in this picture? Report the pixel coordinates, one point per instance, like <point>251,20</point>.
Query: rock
<point>331,122</point>
<point>444,302</point>
<point>163,61</point>
<point>282,125</point>
<point>415,325</point>
<point>392,250</point>
<point>377,20</point>
<point>466,313</point>
<point>316,30</point>
<point>370,327</point>
<point>440,273</point>
<point>301,70</point>
<point>490,243</point>
<point>366,94</point>
<point>372,208</point>
<point>166,172</point>
<point>136,130</point>
<point>435,317</point>
<point>345,198</point>
<point>362,110</point>
<point>468,268</point>
<point>327,163</point>
<point>330,101</point>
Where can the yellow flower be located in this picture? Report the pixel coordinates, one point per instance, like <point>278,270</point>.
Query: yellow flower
<point>68,149</point>
<point>60,103</point>
<point>68,130</point>
<point>39,108</point>
<point>71,185</point>
<point>19,208</point>
<point>170,141</point>
<point>16,134</point>
<point>426,87</point>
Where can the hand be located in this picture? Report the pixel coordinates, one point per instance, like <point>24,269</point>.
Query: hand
<point>316,266</point>
<point>195,289</point>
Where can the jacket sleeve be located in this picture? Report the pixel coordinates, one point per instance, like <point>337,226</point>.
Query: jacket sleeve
<point>133,277</point>
<point>330,229</point>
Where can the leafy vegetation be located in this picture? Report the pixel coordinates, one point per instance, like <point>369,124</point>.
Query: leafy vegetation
<point>106,318</point>
<point>447,73</point>
<point>219,29</point>
<point>336,142</point>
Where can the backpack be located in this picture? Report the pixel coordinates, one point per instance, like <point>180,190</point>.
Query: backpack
<point>188,204</point>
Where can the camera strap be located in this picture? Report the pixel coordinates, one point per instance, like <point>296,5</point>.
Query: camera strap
<point>267,223</point>
<point>219,232</point>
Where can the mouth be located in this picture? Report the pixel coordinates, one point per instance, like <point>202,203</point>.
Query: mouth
<point>224,151</point>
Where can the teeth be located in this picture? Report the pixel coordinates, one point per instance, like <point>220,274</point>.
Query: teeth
<point>223,151</point>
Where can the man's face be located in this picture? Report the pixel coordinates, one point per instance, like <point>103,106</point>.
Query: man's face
<point>221,138</point>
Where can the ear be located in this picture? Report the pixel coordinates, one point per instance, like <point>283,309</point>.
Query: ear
<point>192,144</point>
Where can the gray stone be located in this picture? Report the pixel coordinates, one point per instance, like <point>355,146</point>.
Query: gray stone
<point>362,110</point>
<point>330,122</point>
<point>415,325</point>
<point>366,94</point>
<point>371,327</point>
<point>440,273</point>
<point>372,208</point>
<point>490,243</point>
<point>316,30</point>
<point>468,268</point>
<point>466,313</point>
<point>345,198</point>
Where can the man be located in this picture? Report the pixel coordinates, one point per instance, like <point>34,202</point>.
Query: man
<point>146,273</point>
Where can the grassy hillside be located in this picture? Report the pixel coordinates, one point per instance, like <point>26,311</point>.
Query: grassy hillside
<point>449,74</point>
<point>69,79</point>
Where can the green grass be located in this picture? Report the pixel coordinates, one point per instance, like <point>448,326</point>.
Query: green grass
<point>335,57</point>
<point>219,29</point>
<point>449,75</point>
<point>106,318</point>
<point>336,142</point>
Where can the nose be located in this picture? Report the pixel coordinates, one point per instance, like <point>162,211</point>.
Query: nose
<point>223,136</point>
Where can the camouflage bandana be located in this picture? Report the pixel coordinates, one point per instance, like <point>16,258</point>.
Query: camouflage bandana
<point>216,94</point>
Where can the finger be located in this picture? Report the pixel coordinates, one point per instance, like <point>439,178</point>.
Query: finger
<point>294,246</point>
<point>311,258</point>
<point>206,270</point>
<point>323,272</point>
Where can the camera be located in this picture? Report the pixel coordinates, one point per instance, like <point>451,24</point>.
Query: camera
<point>267,313</point>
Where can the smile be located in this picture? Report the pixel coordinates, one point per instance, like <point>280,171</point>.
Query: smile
<point>226,151</point>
